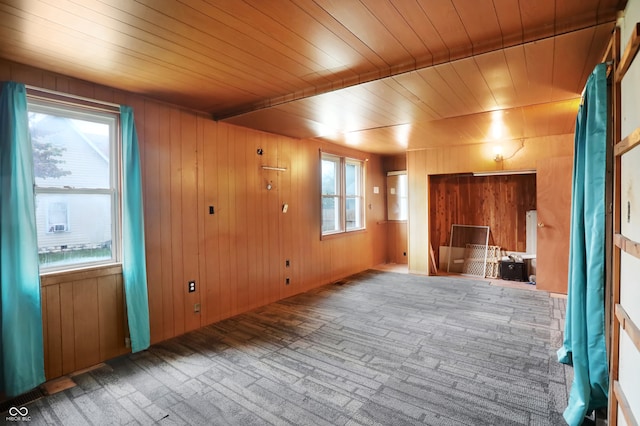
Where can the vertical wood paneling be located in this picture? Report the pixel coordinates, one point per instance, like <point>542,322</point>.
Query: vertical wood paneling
<point>271,217</point>
<point>210,268</point>
<point>165,211</point>
<point>86,323</point>
<point>418,212</point>
<point>463,159</point>
<point>189,218</point>
<point>500,202</point>
<point>241,217</point>
<point>236,255</point>
<point>227,281</point>
<point>150,117</point>
<point>178,291</point>
<point>67,328</point>
<point>53,341</point>
<point>110,318</point>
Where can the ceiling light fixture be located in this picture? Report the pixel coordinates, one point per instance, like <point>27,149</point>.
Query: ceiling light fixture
<point>497,153</point>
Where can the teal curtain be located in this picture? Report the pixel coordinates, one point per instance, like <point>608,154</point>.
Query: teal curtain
<point>584,335</point>
<point>134,269</point>
<point>21,353</point>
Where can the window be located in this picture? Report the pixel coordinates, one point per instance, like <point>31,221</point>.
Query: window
<point>76,182</point>
<point>342,194</point>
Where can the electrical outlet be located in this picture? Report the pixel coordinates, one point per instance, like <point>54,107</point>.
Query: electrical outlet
<point>196,308</point>
<point>287,281</point>
<point>127,342</point>
<point>192,286</point>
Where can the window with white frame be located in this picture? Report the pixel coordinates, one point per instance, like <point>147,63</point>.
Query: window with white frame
<point>76,172</point>
<point>342,194</point>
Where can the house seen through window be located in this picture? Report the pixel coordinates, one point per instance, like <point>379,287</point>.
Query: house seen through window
<point>76,181</point>
<point>342,194</point>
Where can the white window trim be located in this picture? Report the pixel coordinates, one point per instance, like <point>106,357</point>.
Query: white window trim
<point>80,109</point>
<point>342,196</point>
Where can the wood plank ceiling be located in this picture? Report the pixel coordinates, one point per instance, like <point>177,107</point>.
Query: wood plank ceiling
<point>382,75</point>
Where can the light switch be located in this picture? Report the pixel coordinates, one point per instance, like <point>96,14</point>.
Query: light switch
<point>376,190</point>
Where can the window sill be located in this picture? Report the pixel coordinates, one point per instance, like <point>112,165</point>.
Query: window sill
<point>342,234</point>
<point>57,277</point>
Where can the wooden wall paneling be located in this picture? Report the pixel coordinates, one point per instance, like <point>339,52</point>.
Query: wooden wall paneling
<point>464,159</point>
<point>223,213</point>
<point>418,235</point>
<point>242,217</point>
<point>86,323</point>
<point>45,329</point>
<point>53,325</point>
<point>202,213</point>
<point>310,215</point>
<point>299,257</point>
<point>27,75</point>
<point>110,317</point>
<point>376,210</point>
<point>255,226</point>
<point>82,88</point>
<point>286,246</point>
<point>152,196</point>
<point>177,286</point>
<point>500,202</point>
<point>190,219</point>
<point>67,327</point>
<point>271,216</point>
<point>261,196</point>
<point>207,222</point>
<point>6,71</point>
<point>165,210</point>
<point>233,230</point>
<point>209,187</point>
<point>394,163</point>
<point>123,329</point>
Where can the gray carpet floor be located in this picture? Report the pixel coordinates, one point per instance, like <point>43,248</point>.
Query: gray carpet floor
<point>378,348</point>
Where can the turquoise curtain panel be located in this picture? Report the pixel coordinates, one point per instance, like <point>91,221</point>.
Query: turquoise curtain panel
<point>21,353</point>
<point>134,268</point>
<point>584,336</point>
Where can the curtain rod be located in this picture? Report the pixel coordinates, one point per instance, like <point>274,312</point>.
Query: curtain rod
<point>70,96</point>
